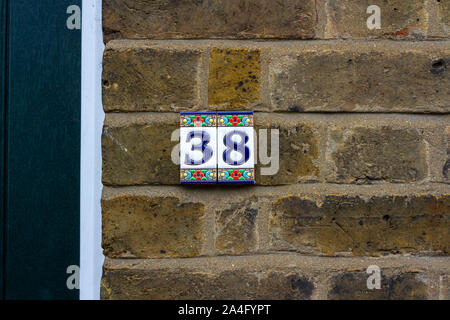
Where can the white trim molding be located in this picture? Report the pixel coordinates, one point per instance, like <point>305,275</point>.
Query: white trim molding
<point>92,115</point>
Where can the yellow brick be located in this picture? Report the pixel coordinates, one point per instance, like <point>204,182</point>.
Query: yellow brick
<point>234,77</point>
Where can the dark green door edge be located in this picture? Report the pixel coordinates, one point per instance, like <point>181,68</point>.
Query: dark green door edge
<point>42,192</point>
<point>3,23</point>
<point>3,99</point>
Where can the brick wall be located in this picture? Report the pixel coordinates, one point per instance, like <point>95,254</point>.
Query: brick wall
<point>364,138</point>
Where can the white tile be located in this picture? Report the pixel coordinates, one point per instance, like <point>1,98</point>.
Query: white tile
<point>241,144</point>
<point>196,152</point>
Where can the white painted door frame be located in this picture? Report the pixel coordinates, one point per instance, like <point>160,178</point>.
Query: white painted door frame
<point>92,115</point>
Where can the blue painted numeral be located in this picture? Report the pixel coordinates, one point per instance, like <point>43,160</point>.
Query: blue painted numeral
<point>202,146</point>
<point>236,146</point>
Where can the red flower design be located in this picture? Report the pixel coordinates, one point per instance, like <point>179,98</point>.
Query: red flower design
<point>235,120</point>
<point>198,120</point>
<point>236,174</point>
<point>198,175</point>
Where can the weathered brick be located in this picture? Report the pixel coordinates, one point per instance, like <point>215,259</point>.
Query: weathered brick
<point>438,19</point>
<point>234,77</point>
<point>236,229</point>
<point>186,19</point>
<point>178,285</point>
<point>446,168</point>
<point>315,219</point>
<point>203,221</point>
<point>361,77</point>
<point>386,153</point>
<point>374,149</point>
<point>137,149</point>
<point>399,19</point>
<point>298,148</point>
<point>277,276</point>
<point>444,11</point>
<point>353,286</point>
<point>292,76</point>
<point>347,216</point>
<point>140,78</point>
<point>444,287</point>
<point>151,227</point>
<point>181,283</point>
<point>339,224</point>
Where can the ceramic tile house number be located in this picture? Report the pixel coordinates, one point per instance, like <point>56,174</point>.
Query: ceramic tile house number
<point>216,148</point>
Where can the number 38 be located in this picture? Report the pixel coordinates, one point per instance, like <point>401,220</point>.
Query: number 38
<point>217,147</point>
